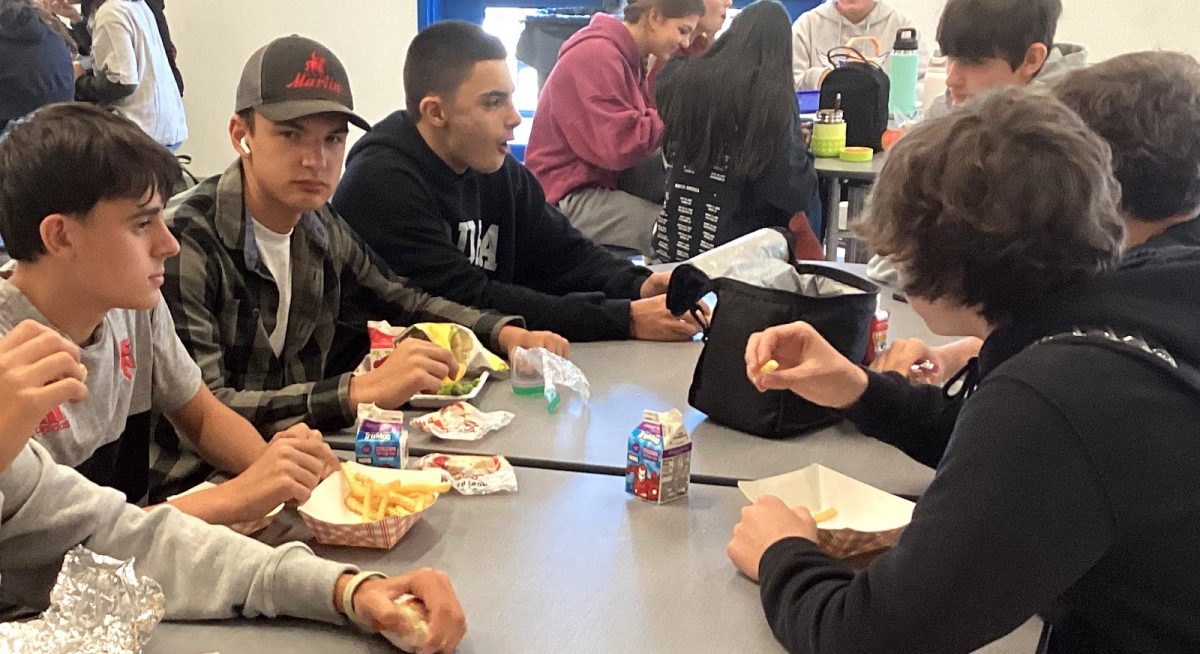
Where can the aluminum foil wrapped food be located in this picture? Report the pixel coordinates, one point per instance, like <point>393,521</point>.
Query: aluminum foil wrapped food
<point>98,605</point>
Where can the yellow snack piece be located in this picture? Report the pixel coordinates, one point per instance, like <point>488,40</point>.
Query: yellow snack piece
<point>825,514</point>
<point>769,367</point>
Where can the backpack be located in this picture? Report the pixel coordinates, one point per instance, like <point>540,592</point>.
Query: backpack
<point>864,88</point>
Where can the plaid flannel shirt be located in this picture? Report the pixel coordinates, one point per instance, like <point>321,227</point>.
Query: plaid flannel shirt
<point>224,302</point>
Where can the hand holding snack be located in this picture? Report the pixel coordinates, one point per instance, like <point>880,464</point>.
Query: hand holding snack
<point>512,336</point>
<point>650,320</point>
<point>807,365</point>
<point>39,370</point>
<point>415,366</point>
<point>763,524</point>
<point>430,620</point>
<point>908,357</point>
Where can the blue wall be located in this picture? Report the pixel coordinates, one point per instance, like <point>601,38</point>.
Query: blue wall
<point>431,11</point>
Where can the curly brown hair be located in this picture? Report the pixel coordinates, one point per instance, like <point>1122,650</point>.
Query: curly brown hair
<point>1006,200</point>
<point>1147,106</point>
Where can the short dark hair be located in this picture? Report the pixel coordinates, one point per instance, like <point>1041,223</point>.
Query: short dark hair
<point>736,103</point>
<point>636,9</point>
<point>999,204</point>
<point>440,58</point>
<point>1147,106</point>
<point>975,30</point>
<point>64,158</point>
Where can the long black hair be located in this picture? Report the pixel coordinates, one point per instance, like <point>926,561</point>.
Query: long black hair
<point>735,106</point>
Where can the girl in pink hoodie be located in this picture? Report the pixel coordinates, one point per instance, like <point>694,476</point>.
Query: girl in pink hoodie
<point>596,118</point>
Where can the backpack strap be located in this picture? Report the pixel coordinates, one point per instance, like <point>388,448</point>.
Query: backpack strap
<point>1134,345</point>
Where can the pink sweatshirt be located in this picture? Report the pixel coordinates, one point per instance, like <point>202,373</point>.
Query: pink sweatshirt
<point>596,115</point>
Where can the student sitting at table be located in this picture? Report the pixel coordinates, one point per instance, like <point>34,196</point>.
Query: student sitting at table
<point>1069,483</point>
<point>994,43</point>
<point>715,12</point>
<point>205,571</point>
<point>90,252</point>
<point>272,291</point>
<point>749,167</point>
<point>1154,155</point>
<point>831,25</point>
<point>434,191</point>
<point>596,118</point>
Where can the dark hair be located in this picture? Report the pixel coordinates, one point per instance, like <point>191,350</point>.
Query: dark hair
<point>440,58</point>
<point>11,10</point>
<point>737,101</point>
<point>636,9</point>
<point>975,30</point>
<point>64,158</point>
<point>1147,106</point>
<point>999,204</point>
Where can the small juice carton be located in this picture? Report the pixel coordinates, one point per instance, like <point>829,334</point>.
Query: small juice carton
<point>381,439</point>
<point>659,462</point>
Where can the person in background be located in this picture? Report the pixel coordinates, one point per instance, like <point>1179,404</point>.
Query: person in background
<point>35,60</point>
<point>83,36</point>
<point>272,290</point>
<point>1069,480</point>
<point>205,571</point>
<point>130,71</point>
<point>750,167</point>
<point>831,25</point>
<point>435,192</point>
<point>596,118</point>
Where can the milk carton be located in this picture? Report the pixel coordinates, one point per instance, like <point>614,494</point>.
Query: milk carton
<point>381,439</point>
<point>659,461</point>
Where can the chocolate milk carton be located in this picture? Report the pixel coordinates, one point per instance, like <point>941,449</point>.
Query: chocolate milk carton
<point>659,461</point>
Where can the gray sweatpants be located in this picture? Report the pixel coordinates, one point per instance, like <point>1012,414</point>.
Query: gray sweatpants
<point>613,218</point>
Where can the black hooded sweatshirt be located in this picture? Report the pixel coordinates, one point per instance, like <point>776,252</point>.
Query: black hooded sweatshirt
<point>487,240</point>
<point>1069,485</point>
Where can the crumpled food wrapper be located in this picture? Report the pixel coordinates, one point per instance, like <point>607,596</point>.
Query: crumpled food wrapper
<point>462,422</point>
<point>99,605</point>
<point>474,474</point>
<point>473,358</point>
<point>539,370</point>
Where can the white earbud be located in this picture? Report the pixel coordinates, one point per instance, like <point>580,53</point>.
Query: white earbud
<point>245,145</point>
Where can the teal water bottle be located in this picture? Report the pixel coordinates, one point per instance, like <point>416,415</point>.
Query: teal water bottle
<point>903,64</point>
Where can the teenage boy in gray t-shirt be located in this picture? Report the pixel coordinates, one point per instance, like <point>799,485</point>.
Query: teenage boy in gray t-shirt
<point>90,252</point>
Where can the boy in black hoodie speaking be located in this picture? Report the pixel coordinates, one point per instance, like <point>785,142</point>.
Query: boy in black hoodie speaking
<point>434,191</point>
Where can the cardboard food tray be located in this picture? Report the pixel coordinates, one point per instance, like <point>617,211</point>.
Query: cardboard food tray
<point>244,528</point>
<point>421,401</point>
<point>868,519</point>
<point>333,523</point>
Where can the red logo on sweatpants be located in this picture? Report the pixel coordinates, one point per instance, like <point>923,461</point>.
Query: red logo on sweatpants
<point>54,421</point>
<point>128,365</point>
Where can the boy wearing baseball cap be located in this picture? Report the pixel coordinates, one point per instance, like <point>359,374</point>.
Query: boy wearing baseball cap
<point>272,291</point>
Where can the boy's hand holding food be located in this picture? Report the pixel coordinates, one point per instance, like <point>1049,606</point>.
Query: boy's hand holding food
<point>804,363</point>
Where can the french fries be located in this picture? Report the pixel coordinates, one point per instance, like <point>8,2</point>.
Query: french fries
<point>824,514</point>
<point>375,501</point>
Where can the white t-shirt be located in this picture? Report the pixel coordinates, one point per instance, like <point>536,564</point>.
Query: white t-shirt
<point>129,50</point>
<point>135,363</point>
<point>276,252</point>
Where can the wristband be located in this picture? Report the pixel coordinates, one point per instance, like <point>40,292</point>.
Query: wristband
<point>348,594</point>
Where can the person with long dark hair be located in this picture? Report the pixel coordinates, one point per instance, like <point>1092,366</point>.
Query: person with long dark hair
<point>738,161</point>
<point>35,60</point>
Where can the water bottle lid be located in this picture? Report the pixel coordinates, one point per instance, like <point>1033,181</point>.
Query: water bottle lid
<point>829,116</point>
<point>906,39</point>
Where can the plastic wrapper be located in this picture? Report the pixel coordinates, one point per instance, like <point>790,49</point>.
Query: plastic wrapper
<point>760,244</point>
<point>782,276</point>
<point>462,422</point>
<point>474,474</point>
<point>98,605</point>
<point>538,370</point>
<point>473,358</point>
<point>416,617</point>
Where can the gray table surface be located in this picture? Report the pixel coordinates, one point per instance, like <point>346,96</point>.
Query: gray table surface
<point>630,376</point>
<point>569,564</point>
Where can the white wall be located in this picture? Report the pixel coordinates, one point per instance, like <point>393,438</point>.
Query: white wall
<point>1106,27</point>
<point>216,37</point>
